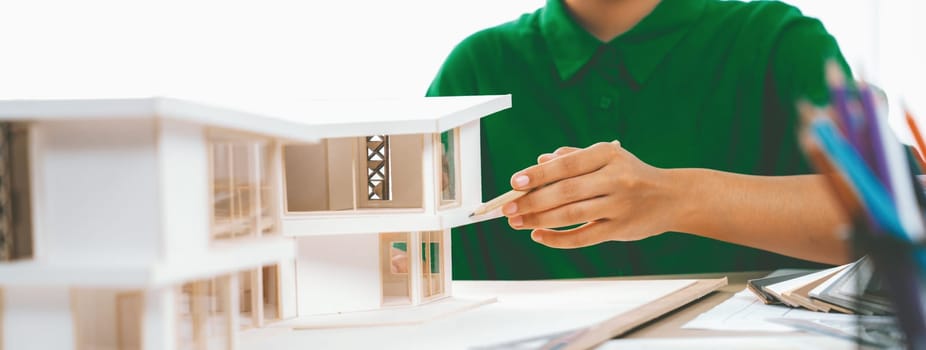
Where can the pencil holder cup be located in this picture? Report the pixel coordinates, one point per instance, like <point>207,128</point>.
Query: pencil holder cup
<point>896,274</point>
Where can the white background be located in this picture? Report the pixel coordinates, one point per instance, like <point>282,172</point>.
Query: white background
<point>260,49</point>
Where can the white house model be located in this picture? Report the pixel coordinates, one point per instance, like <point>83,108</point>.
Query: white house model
<point>158,223</point>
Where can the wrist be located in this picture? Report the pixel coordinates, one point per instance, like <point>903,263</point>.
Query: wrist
<point>685,205</point>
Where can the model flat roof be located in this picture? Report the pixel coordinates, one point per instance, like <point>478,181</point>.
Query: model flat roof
<point>304,120</point>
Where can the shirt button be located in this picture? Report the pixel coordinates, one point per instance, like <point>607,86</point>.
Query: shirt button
<point>605,102</point>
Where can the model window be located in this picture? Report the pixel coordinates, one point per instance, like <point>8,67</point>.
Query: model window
<point>259,294</point>
<point>242,193</point>
<point>448,166</point>
<point>432,282</point>
<point>15,193</point>
<point>394,265</point>
<point>203,315</point>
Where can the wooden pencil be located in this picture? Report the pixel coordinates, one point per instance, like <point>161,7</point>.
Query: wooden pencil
<point>498,202</point>
<point>918,137</point>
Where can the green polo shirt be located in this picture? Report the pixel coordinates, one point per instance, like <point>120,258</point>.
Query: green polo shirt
<point>697,83</point>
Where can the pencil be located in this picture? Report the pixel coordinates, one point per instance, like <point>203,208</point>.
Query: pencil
<point>918,137</point>
<point>839,185</point>
<point>498,202</point>
<point>875,145</point>
<point>836,82</point>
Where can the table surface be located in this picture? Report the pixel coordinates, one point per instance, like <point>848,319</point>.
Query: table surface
<point>670,325</point>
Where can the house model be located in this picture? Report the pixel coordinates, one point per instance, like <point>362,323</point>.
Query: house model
<point>159,223</point>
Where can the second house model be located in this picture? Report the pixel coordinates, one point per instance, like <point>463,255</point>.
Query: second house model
<point>371,205</point>
<point>160,223</point>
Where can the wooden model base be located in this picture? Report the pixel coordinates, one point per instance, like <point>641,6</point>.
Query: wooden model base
<point>387,317</point>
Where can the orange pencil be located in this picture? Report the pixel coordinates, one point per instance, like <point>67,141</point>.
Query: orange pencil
<point>920,145</point>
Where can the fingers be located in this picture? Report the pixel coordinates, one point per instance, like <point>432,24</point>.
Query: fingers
<point>589,234</point>
<point>569,214</point>
<point>558,194</point>
<point>573,164</point>
<point>543,158</point>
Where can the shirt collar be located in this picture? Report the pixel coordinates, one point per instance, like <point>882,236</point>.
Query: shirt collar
<point>643,47</point>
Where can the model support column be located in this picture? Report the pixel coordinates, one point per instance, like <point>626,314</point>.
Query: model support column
<point>228,288</point>
<point>159,322</point>
<point>31,314</point>
<point>447,259</point>
<point>415,266</point>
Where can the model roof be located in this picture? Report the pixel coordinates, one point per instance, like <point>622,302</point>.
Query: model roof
<point>302,120</point>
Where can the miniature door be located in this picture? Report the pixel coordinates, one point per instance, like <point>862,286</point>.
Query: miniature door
<point>208,314</point>
<point>410,260</point>
<point>260,291</point>
<point>432,269</point>
<point>394,268</point>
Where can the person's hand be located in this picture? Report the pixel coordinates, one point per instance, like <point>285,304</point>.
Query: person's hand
<point>604,187</point>
<point>398,261</point>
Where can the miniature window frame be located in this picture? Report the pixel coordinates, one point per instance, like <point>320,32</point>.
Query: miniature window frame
<point>210,311</point>
<point>386,244</point>
<point>261,168</point>
<point>6,192</point>
<point>272,292</point>
<point>17,234</point>
<point>454,169</point>
<point>259,291</point>
<point>432,242</point>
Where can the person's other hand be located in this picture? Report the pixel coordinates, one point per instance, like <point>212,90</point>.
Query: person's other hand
<point>398,261</point>
<point>604,187</point>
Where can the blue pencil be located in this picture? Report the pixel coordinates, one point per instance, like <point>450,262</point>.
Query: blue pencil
<point>871,192</point>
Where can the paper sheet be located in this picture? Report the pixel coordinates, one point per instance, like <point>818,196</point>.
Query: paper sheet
<point>524,309</point>
<point>719,343</point>
<point>745,312</point>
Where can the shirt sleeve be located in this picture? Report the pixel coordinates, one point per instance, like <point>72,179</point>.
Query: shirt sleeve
<point>795,72</point>
<point>798,61</point>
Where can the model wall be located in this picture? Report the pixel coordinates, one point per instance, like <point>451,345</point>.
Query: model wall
<point>338,273</point>
<point>184,186</point>
<point>96,192</point>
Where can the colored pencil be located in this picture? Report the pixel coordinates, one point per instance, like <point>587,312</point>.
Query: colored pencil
<point>876,146</point>
<point>836,82</point>
<point>917,137</point>
<point>873,195</point>
<point>498,202</point>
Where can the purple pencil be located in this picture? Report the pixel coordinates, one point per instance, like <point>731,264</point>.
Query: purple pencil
<point>839,94</point>
<point>874,133</point>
